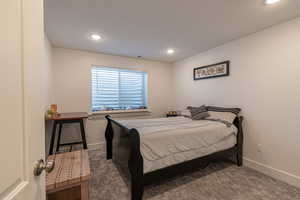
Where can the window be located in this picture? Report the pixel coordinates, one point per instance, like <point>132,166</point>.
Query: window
<point>118,89</point>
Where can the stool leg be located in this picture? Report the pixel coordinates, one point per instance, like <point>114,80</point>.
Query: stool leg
<point>84,190</point>
<point>59,136</point>
<point>52,138</point>
<point>83,134</point>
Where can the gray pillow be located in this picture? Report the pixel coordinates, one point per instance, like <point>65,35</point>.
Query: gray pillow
<point>235,111</point>
<point>198,113</point>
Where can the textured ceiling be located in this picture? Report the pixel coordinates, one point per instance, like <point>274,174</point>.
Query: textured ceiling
<point>148,27</point>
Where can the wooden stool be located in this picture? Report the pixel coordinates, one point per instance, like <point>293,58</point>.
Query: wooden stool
<point>65,118</point>
<point>70,176</point>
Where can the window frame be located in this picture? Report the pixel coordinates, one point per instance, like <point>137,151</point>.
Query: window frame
<point>113,111</point>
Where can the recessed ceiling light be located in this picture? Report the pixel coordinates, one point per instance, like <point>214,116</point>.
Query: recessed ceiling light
<point>95,37</point>
<point>271,1</point>
<point>170,51</point>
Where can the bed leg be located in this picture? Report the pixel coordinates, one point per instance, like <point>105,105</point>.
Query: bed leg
<point>240,141</point>
<point>239,158</point>
<point>137,190</point>
<point>109,150</point>
<point>109,139</point>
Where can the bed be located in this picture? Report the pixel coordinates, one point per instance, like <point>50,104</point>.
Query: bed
<point>146,150</point>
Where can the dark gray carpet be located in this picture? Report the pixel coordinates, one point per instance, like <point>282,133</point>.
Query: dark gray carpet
<point>219,181</point>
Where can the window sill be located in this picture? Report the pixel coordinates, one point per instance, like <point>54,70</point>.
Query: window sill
<point>106,112</point>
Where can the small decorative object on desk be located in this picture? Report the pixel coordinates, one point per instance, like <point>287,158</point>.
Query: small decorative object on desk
<point>52,111</point>
<point>53,108</point>
<point>172,114</point>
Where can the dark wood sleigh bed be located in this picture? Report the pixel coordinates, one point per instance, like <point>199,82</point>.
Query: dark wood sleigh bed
<point>123,146</point>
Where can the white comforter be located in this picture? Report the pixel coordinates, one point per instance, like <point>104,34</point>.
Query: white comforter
<point>162,137</point>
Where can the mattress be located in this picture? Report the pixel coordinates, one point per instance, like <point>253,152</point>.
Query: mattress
<point>169,141</point>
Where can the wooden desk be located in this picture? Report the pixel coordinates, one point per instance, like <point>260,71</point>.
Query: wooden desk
<point>64,118</point>
<point>70,176</point>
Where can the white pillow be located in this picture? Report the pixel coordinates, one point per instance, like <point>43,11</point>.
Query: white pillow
<point>226,116</point>
<point>186,113</point>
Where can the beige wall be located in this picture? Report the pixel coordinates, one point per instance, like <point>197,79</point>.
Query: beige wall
<point>264,82</point>
<point>48,85</point>
<point>47,72</point>
<point>72,91</point>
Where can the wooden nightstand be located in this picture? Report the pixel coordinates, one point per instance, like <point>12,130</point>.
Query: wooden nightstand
<point>70,176</point>
<point>168,115</point>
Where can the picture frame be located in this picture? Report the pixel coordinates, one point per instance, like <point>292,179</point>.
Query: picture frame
<point>212,71</point>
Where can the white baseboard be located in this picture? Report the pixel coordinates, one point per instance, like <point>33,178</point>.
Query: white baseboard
<point>96,146</point>
<point>275,173</point>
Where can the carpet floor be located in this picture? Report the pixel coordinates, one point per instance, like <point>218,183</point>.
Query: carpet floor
<point>219,181</point>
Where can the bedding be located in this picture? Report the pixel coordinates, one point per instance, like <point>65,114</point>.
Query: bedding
<point>198,112</point>
<point>224,116</point>
<point>221,113</point>
<point>186,113</point>
<point>235,111</point>
<point>168,141</point>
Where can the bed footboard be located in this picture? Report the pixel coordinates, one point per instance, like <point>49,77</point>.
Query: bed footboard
<point>123,147</point>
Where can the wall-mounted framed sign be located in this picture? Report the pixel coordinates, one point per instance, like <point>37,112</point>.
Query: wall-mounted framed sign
<point>212,71</point>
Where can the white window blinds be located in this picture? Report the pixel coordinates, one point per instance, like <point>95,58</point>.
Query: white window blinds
<point>118,89</point>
